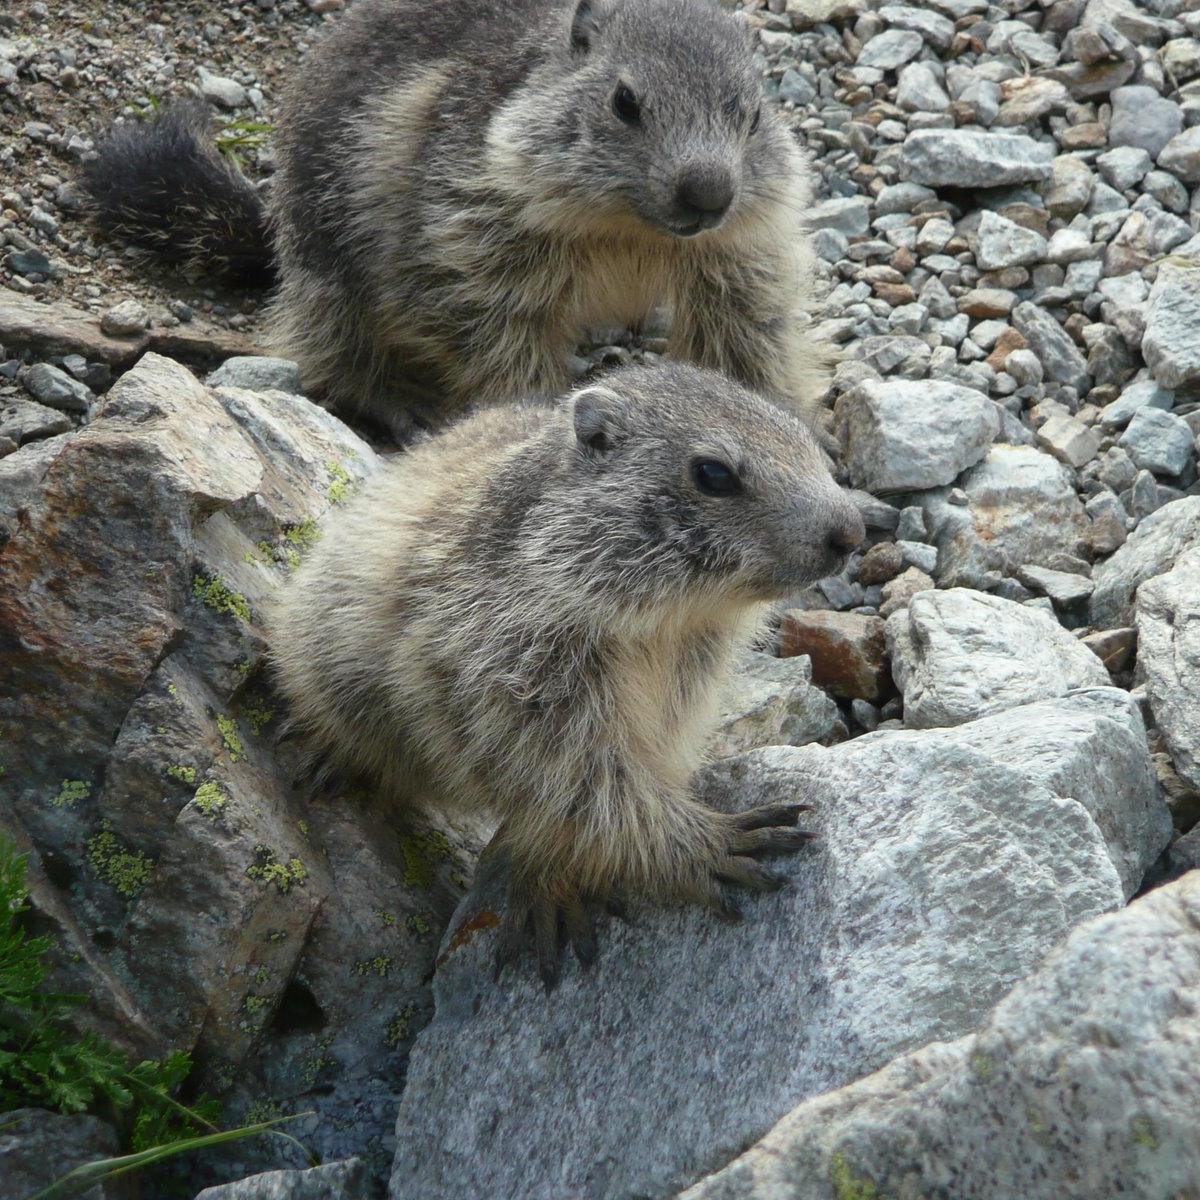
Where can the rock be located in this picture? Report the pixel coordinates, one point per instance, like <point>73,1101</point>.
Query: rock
<point>988,302</point>
<point>1070,186</point>
<point>1021,507</point>
<point>1142,118</point>
<point>1115,648</point>
<point>936,29</point>
<point>1170,345</point>
<point>1143,239</point>
<point>1124,167</point>
<point>1003,243</point>
<point>772,702</point>
<point>807,13</point>
<point>846,649</point>
<point>959,654</point>
<point>1068,440</point>
<point>918,90</point>
<point>37,1148</point>
<point>882,562</point>
<point>1152,548</point>
<point>56,388</point>
<point>1065,588</point>
<point>1168,624</point>
<point>796,88</point>
<point>1061,359</point>
<point>1159,441</point>
<point>850,215</point>
<point>225,93</point>
<point>1181,156</point>
<point>257,374</point>
<point>949,862</point>
<point>212,905</point>
<point>907,435</point>
<point>891,49</point>
<point>900,591</point>
<point>1098,1046</point>
<point>23,421</point>
<point>127,319</point>
<point>1143,393</point>
<point>972,159</point>
<point>346,1180</point>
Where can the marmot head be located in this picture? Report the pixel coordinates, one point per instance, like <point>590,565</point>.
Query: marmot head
<point>681,483</point>
<point>650,110</point>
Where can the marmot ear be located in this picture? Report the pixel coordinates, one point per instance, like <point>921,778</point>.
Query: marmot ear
<point>585,24</point>
<point>597,414</point>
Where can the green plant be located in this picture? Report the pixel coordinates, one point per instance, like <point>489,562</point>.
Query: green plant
<point>237,134</point>
<point>46,1062</point>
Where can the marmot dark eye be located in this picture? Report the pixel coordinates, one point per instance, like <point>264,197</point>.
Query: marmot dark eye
<point>715,478</point>
<point>625,105</point>
<point>757,118</point>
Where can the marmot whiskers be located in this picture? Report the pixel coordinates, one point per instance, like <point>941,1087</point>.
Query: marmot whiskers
<point>535,611</point>
<point>460,196</point>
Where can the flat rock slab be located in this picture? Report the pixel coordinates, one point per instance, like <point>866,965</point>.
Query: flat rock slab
<point>51,329</point>
<point>1083,1082</point>
<point>960,654</point>
<point>347,1180</point>
<point>946,867</point>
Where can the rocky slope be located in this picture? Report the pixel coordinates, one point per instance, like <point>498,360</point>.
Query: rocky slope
<point>978,982</point>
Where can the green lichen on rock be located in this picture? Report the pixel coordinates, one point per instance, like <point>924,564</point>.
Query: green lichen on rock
<point>319,1060</point>
<point>127,871</point>
<point>231,737</point>
<point>257,716</point>
<point>380,965</point>
<point>339,489</point>
<point>71,792</point>
<point>210,799</point>
<point>981,1064</point>
<point>419,925</point>
<point>422,852</point>
<point>256,1005</point>
<point>183,774</point>
<point>1143,1133</point>
<point>268,869</point>
<point>398,1027</point>
<point>218,596</point>
<point>307,534</point>
<point>847,1184</point>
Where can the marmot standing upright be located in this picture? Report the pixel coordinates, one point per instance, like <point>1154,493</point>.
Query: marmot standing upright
<point>535,612</point>
<point>460,194</point>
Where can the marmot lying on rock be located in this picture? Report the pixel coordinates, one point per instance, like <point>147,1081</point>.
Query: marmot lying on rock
<point>459,196</point>
<point>535,611</point>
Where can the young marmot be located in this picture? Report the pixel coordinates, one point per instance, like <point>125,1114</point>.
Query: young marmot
<point>535,611</point>
<point>459,196</point>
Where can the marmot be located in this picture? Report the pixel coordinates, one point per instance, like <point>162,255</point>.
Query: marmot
<point>534,611</point>
<point>459,196</point>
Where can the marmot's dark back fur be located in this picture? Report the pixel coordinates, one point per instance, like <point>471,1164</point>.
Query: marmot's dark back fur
<point>162,185</point>
<point>535,611</point>
<point>458,198</point>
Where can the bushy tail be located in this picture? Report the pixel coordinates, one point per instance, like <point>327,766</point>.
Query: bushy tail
<point>163,186</point>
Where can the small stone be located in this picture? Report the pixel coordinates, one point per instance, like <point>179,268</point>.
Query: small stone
<point>24,421</point>
<point>911,525</point>
<point>1124,167</point>
<point>126,319</point>
<point>987,302</point>
<point>56,388</point>
<point>1060,358</point>
<point>1144,393</point>
<point>1063,587</point>
<point>1171,345</point>
<point>1181,155</point>
<point>918,90</point>
<point>847,651</point>
<point>1068,440</point>
<point>891,49</point>
<point>1003,243</point>
<point>899,592</point>
<point>1025,367</point>
<point>1142,118</point>
<point>1070,187</point>
<point>881,563</point>
<point>973,159</point>
<point>226,93</point>
<point>29,263</point>
<point>1159,441</point>
<point>257,374</point>
<point>1113,647</point>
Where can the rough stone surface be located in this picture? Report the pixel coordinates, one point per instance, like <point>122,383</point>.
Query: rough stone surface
<point>38,1147</point>
<point>346,1180</point>
<point>1003,243</point>
<point>1168,625</point>
<point>960,654</point>
<point>1159,441</point>
<point>973,158</point>
<point>1099,1045</point>
<point>900,435</point>
<point>846,649</point>
<point>257,374</point>
<point>1061,359</point>
<point>1153,548</point>
<point>684,1016</point>
<point>1170,345</point>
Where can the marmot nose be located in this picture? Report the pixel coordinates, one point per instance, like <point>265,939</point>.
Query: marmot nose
<point>704,193</point>
<point>847,531</point>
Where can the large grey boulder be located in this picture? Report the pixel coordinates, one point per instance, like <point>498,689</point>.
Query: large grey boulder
<point>1152,548</point>
<point>902,435</point>
<point>961,654</point>
<point>947,865</point>
<point>1168,623</point>
<point>1082,1082</point>
<point>973,159</point>
<point>1021,507</point>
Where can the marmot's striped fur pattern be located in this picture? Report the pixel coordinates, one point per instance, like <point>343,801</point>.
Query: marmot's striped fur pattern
<point>535,611</point>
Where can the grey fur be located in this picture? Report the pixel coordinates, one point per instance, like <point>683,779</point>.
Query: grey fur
<point>457,200</point>
<point>534,613</point>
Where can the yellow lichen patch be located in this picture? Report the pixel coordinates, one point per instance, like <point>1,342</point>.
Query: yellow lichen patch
<point>339,489</point>
<point>231,738</point>
<point>847,1185</point>
<point>183,774</point>
<point>218,596</point>
<point>398,1026</point>
<point>125,870</point>
<point>71,792</point>
<point>210,799</point>
<point>284,876</point>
